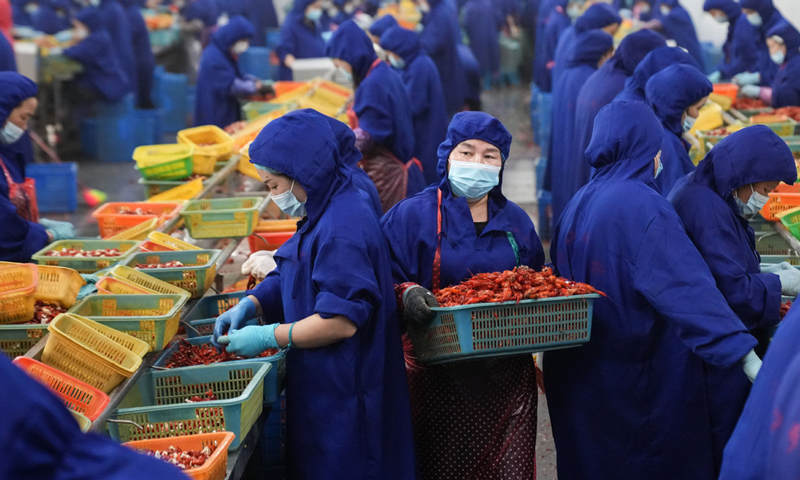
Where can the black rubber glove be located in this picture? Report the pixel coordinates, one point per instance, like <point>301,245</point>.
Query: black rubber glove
<point>417,303</point>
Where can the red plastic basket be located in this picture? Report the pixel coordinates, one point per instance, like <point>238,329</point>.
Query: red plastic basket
<point>215,466</point>
<point>77,395</point>
<point>110,221</point>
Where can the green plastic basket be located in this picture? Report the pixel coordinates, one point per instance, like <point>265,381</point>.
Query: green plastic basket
<point>195,278</point>
<point>253,110</point>
<point>782,129</point>
<point>86,264</point>
<point>207,309</point>
<point>272,381</point>
<point>772,259</point>
<point>791,220</point>
<point>164,162</point>
<point>509,328</point>
<point>222,217</point>
<point>153,318</point>
<point>157,402</point>
<point>154,187</point>
<point>773,244</point>
<point>16,340</point>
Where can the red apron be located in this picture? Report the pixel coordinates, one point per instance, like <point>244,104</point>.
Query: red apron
<point>22,195</point>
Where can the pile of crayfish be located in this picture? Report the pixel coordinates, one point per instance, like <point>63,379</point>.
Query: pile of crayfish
<point>183,459</point>
<point>785,307</point>
<point>188,355</point>
<point>521,283</point>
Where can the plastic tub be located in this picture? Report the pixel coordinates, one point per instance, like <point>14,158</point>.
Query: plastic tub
<point>164,162</point>
<point>136,232</point>
<point>111,221</point>
<point>730,90</point>
<point>207,309</point>
<point>182,192</point>
<point>85,264</point>
<point>58,285</point>
<point>18,282</point>
<point>195,276</point>
<point>211,144</point>
<point>169,242</point>
<point>222,217</point>
<point>215,466</point>
<point>112,286</point>
<point>56,186</point>
<point>17,339</point>
<point>784,197</point>
<point>143,280</point>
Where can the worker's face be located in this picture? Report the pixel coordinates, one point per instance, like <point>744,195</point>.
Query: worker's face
<point>477,151</point>
<point>641,6</point>
<point>776,46</point>
<point>656,162</point>
<point>694,110</point>
<point>605,57</point>
<point>20,115</point>
<point>277,184</point>
<point>611,29</point>
<point>744,192</point>
<point>748,11</point>
<point>718,15</point>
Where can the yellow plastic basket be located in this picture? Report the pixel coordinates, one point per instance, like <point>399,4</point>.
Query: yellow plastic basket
<point>136,232</point>
<point>142,280</point>
<point>186,191</point>
<point>164,162</point>
<point>58,285</point>
<point>170,242</point>
<point>211,144</point>
<point>222,217</point>
<point>18,282</point>
<point>100,356</point>
<point>113,286</point>
<point>244,166</point>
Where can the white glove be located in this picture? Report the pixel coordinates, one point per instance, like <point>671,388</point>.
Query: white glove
<point>790,281</point>
<point>259,264</point>
<point>776,267</point>
<point>751,364</point>
<point>752,91</point>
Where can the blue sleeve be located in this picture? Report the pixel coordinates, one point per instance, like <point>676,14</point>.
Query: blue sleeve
<point>373,116</point>
<point>287,43</point>
<point>19,238</point>
<point>345,281</point>
<point>268,293</point>
<point>744,55</point>
<point>786,90</point>
<point>434,38</point>
<point>408,252</point>
<point>672,276</point>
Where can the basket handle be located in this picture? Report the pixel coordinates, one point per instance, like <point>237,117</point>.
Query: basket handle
<point>186,324</point>
<point>126,422</point>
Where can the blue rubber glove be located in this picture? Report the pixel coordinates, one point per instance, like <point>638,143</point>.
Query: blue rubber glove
<point>251,340</point>
<point>752,91</point>
<point>715,77</point>
<point>240,316</point>
<point>59,230</point>
<point>747,78</point>
<point>790,281</point>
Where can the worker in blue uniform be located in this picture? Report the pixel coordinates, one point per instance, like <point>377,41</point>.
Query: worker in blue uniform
<point>751,452</point>
<point>472,77</point>
<point>301,35</point>
<point>480,231</point>
<point>8,59</point>
<point>220,84</point>
<point>676,95</point>
<point>143,52</point>
<point>729,187</point>
<point>119,29</point>
<point>50,444</point>
<point>424,89</point>
<point>385,124</point>
<point>783,41</point>
<point>598,91</point>
<point>260,13</point>
<point>52,17</point>
<point>103,77</point>
<point>676,24</point>
<point>440,38</point>
<point>741,47</point>
<point>782,454</point>
<point>557,22</point>
<point>640,383</point>
<point>331,301</point>
<point>598,16</point>
<point>763,17</point>
<point>481,22</point>
<point>651,64</point>
<point>23,232</point>
<point>590,51</point>
<point>380,26</point>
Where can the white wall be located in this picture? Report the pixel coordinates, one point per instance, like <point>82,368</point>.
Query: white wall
<point>710,31</point>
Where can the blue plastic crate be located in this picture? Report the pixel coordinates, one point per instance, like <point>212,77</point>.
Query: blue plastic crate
<point>116,138</point>
<point>509,328</point>
<point>56,186</point>
<point>170,95</point>
<point>207,309</point>
<point>272,381</point>
<point>273,38</point>
<point>120,107</point>
<point>146,126</point>
<point>255,61</point>
<point>89,137</point>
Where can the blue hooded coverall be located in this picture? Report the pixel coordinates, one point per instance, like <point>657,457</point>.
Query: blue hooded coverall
<point>19,238</point>
<point>639,384</point>
<point>145,61</point>
<point>589,47</point>
<point>651,64</point>
<point>440,38</point>
<point>424,89</point>
<point>484,34</point>
<point>381,25</point>
<point>557,22</point>
<point>770,16</point>
<point>669,93</point>
<point>712,219</point>
<point>8,59</point>
<point>300,37</point>
<point>119,29</point>
<point>741,45</point>
<point>52,17</point>
<point>260,13</point>
<point>215,103</point>
<point>678,26</point>
<point>786,86</point>
<point>599,15</point>
<point>495,400</point>
<point>347,403</point>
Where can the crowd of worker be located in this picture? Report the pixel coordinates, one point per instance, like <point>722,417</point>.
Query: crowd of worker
<point>410,200</point>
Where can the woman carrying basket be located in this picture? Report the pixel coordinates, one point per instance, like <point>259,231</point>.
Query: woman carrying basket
<point>474,419</point>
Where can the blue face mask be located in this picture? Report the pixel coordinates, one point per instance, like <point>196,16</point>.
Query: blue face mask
<point>346,76</point>
<point>472,180</point>
<point>688,123</point>
<point>397,62</point>
<point>314,14</point>
<point>659,168</point>
<point>10,133</point>
<point>289,204</point>
<point>755,19</point>
<point>778,57</point>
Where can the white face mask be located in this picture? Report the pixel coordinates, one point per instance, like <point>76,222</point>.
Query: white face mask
<point>778,57</point>
<point>240,47</point>
<point>665,10</point>
<point>574,11</point>
<point>721,18</point>
<point>10,133</point>
<point>754,204</point>
<point>755,19</point>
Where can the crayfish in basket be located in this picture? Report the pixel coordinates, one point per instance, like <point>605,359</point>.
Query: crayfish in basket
<point>521,283</point>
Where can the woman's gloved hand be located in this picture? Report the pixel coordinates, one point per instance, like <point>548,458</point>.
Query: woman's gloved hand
<point>417,303</point>
<point>747,78</point>
<point>751,364</point>
<point>251,340</point>
<point>259,264</point>
<point>59,230</point>
<point>752,91</point>
<point>790,281</point>
<point>243,314</point>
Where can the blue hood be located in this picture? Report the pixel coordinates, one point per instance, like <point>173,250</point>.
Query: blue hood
<point>14,89</point>
<point>753,154</point>
<point>653,63</point>
<point>671,91</point>
<point>598,15</point>
<point>625,140</point>
<point>403,42</point>
<point>238,28</point>
<point>764,7</point>
<point>381,25</point>
<point>634,48</point>
<point>473,125</point>
<point>349,154</point>
<point>790,36</point>
<point>589,47</point>
<point>302,146</point>
<point>351,44</point>
<point>92,18</point>
<point>299,6</point>
<point>732,9</point>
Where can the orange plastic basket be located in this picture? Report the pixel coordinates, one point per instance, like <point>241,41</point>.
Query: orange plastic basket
<point>730,90</point>
<point>17,284</point>
<point>784,197</point>
<point>215,466</point>
<point>110,221</point>
<point>77,395</point>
